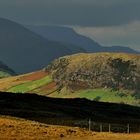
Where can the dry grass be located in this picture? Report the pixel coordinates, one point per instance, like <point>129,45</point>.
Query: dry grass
<point>7,83</point>
<point>15,128</point>
<point>34,76</point>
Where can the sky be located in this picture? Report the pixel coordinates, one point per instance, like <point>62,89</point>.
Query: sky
<point>110,22</point>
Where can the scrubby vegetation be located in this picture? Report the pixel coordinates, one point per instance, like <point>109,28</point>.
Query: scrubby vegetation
<point>67,112</point>
<point>100,70</point>
<point>44,109</point>
<point>17,128</point>
<point>115,71</point>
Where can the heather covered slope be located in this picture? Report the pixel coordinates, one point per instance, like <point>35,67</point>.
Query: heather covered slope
<point>25,51</point>
<point>107,77</point>
<point>47,115</point>
<point>101,70</point>
<point>102,76</point>
<point>26,83</point>
<point>42,84</point>
<point>67,111</point>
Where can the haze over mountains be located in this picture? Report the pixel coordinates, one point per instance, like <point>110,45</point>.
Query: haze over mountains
<point>25,51</point>
<point>69,35</point>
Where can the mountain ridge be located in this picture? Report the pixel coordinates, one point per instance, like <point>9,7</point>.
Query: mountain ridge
<point>25,51</point>
<point>69,35</point>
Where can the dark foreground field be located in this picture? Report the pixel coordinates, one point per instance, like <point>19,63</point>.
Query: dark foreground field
<point>70,112</point>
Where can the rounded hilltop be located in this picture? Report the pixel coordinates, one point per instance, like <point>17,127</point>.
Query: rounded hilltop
<point>97,70</point>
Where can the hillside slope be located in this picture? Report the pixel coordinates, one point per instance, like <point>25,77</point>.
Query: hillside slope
<point>44,109</point>
<point>106,70</point>
<point>25,129</point>
<point>107,77</point>
<point>69,35</point>
<point>5,71</point>
<point>111,77</point>
<point>25,51</point>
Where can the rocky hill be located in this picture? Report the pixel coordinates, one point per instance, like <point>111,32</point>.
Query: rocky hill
<point>106,77</point>
<point>100,70</point>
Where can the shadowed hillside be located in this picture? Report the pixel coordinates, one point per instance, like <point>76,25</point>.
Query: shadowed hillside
<point>44,109</point>
<point>69,35</point>
<point>5,71</point>
<point>25,51</point>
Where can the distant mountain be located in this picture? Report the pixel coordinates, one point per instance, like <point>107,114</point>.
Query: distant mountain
<point>68,35</point>
<point>26,51</point>
<point>5,71</point>
<point>120,49</point>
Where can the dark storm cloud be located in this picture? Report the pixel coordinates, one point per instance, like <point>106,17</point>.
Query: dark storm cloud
<point>72,12</point>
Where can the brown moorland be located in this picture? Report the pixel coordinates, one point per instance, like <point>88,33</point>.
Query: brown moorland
<point>12,128</point>
<point>34,76</point>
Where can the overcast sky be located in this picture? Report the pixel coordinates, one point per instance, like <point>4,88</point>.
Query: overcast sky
<point>107,21</point>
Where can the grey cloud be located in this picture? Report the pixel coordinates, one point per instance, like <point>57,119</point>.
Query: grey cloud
<point>127,35</point>
<point>72,12</point>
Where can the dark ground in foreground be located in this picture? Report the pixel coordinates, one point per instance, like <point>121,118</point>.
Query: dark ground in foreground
<point>69,112</point>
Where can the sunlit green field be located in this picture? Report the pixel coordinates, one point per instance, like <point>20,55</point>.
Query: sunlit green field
<point>27,87</point>
<point>46,86</point>
<point>107,95</point>
<point>103,95</point>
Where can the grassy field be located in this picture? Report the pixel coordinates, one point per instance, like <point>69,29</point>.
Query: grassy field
<point>22,129</point>
<point>106,95</point>
<point>29,86</point>
<point>41,83</point>
<point>103,95</point>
